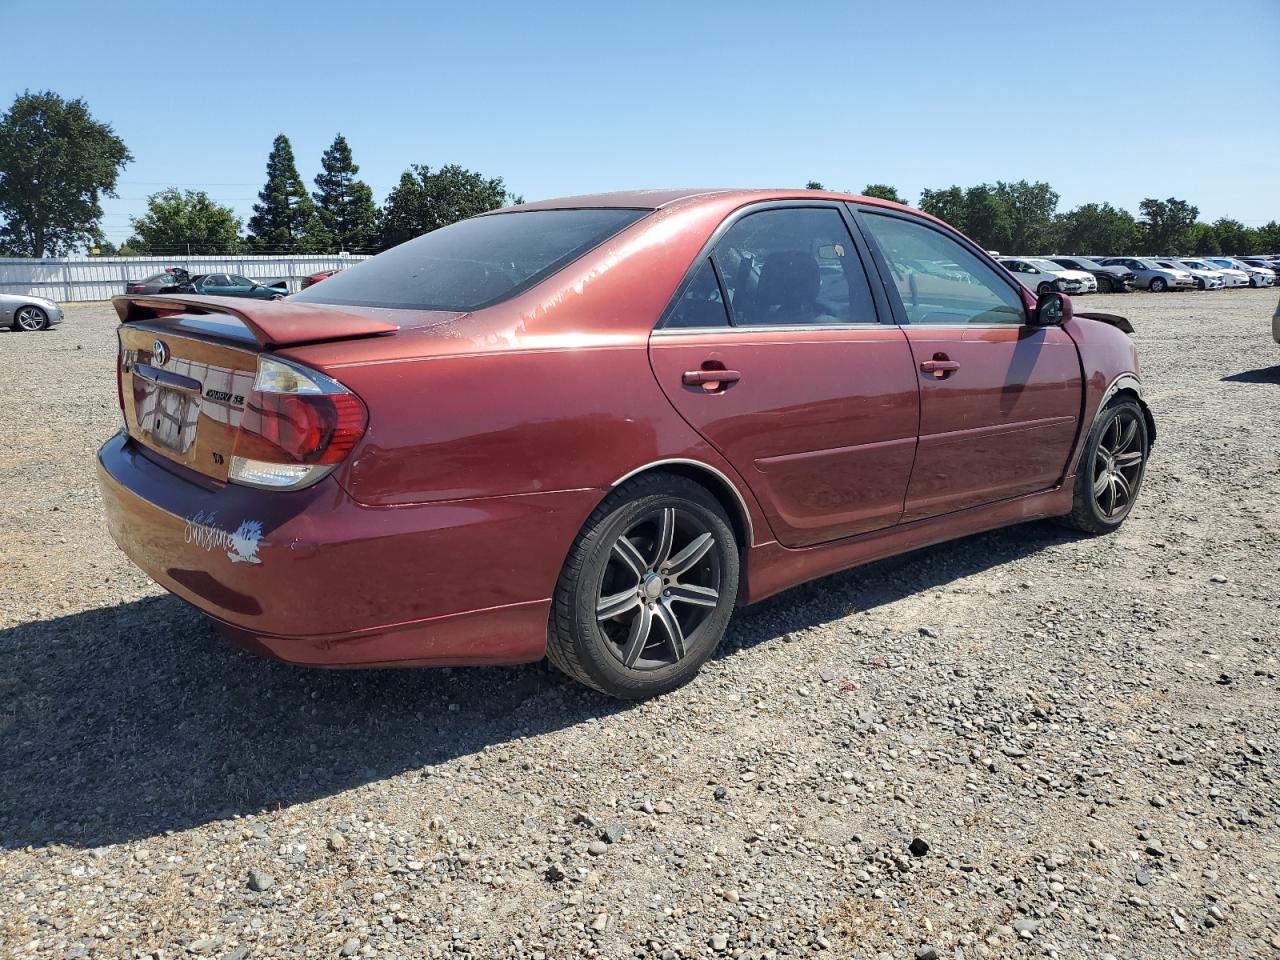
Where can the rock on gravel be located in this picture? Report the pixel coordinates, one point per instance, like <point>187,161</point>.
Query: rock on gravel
<point>1015,700</point>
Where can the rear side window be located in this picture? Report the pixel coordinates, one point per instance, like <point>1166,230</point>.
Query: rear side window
<point>793,266</point>
<point>700,304</point>
<point>473,263</point>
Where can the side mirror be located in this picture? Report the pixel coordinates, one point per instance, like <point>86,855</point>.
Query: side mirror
<point>1053,309</point>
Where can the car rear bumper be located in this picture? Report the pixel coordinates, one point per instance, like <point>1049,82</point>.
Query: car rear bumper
<point>315,578</point>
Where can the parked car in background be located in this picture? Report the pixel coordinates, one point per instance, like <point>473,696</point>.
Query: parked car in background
<point>28,314</point>
<point>1151,276</point>
<point>1045,275</point>
<point>234,285</point>
<point>1206,279</point>
<point>1275,324</point>
<point>1258,276</point>
<point>1230,276</point>
<point>397,466</point>
<point>1109,279</point>
<point>1260,263</point>
<point>315,278</point>
<point>166,281</point>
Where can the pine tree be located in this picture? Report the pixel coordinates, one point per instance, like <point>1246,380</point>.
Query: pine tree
<point>344,204</point>
<point>284,218</point>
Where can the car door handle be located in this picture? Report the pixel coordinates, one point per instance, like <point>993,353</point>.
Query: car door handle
<point>940,367</point>
<point>709,377</point>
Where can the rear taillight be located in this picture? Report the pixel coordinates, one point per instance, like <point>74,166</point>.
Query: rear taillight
<point>298,424</point>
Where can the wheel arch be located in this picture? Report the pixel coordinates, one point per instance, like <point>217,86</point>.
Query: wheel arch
<point>1130,387</point>
<point>715,482</point>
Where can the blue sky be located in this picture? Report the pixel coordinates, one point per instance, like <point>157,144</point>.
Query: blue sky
<point>1105,101</point>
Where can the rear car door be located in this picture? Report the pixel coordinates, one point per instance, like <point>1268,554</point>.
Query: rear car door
<point>774,351</point>
<point>1000,399</point>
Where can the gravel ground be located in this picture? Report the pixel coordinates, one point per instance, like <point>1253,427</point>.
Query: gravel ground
<point>1025,743</point>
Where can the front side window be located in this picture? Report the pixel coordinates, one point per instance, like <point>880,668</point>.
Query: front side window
<point>793,266</point>
<point>239,281</point>
<point>473,263</point>
<point>969,290</point>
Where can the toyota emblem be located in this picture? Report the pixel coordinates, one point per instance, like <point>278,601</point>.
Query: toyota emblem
<point>159,353</point>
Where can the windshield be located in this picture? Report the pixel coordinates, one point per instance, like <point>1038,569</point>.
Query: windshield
<point>473,263</point>
<point>1048,265</point>
<point>1086,264</point>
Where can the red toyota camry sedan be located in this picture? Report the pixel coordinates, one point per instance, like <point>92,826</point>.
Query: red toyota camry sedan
<point>588,428</point>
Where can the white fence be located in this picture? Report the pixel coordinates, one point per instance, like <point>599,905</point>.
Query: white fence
<point>98,278</point>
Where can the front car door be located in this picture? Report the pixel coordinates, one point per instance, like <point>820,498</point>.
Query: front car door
<point>818,406</point>
<point>1000,399</point>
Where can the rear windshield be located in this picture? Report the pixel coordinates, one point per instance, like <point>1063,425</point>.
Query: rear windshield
<point>472,263</point>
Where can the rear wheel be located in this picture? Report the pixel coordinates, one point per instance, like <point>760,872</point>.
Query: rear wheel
<point>647,590</point>
<point>30,319</point>
<point>1111,469</point>
<point>1158,285</point>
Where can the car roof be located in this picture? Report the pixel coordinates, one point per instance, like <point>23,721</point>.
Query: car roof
<point>657,199</point>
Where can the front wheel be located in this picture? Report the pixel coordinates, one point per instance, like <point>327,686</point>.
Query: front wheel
<point>30,319</point>
<point>1045,287</point>
<point>1158,285</point>
<point>1111,469</point>
<point>647,590</point>
<point>1104,285</point>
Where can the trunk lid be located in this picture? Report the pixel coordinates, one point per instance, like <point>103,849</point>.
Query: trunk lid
<point>187,366</point>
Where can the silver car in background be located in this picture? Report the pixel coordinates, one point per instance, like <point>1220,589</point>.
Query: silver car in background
<point>28,314</point>
<point>1151,276</point>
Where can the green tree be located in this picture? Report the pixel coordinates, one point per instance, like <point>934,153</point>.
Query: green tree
<point>344,204</point>
<point>1268,237</point>
<point>1099,229</point>
<point>882,191</point>
<point>986,219</point>
<point>947,205</point>
<point>1166,225</point>
<point>1204,240</point>
<point>185,221</point>
<point>424,200</point>
<point>1234,238</point>
<point>1029,209</point>
<point>814,185</point>
<point>284,218</point>
<point>56,163</point>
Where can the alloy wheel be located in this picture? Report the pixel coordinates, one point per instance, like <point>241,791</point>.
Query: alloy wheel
<point>660,585</point>
<point>1117,465</point>
<point>31,319</point>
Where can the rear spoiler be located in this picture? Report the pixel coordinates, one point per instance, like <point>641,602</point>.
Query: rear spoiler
<point>275,323</point>
<point>1116,321</point>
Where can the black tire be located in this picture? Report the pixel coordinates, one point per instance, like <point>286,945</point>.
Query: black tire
<point>1253,282</point>
<point>1045,287</point>
<point>1157,285</point>
<point>1093,508</point>
<point>1200,284</point>
<point>29,319</point>
<point>1104,285</point>
<point>593,648</point>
